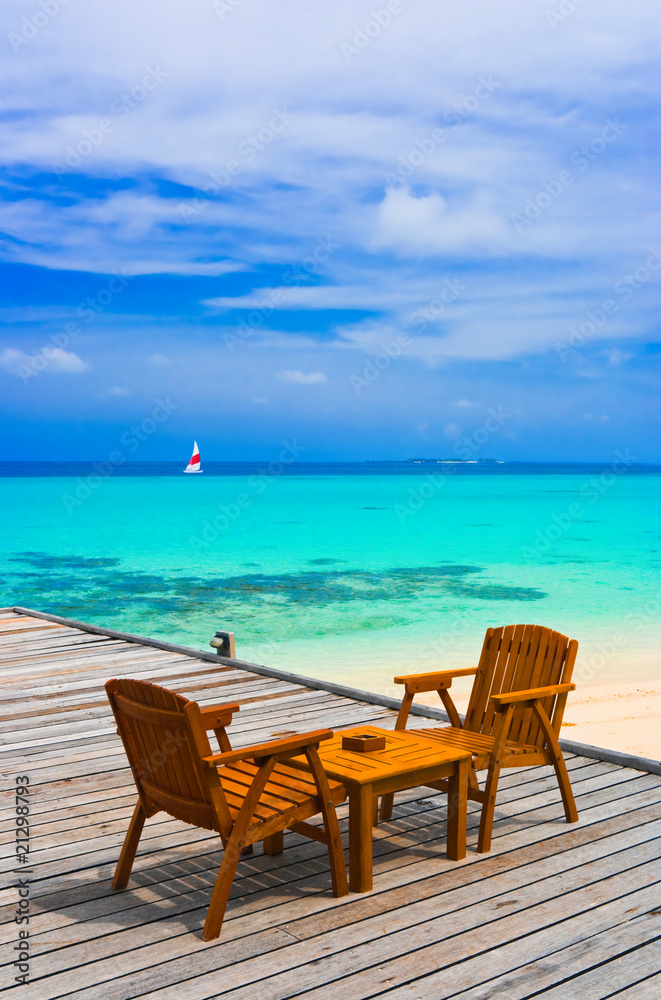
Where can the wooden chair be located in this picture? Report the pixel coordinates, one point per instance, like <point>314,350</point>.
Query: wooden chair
<point>244,795</point>
<point>514,713</point>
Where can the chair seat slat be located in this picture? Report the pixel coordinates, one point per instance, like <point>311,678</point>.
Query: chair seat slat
<point>275,795</point>
<point>477,743</point>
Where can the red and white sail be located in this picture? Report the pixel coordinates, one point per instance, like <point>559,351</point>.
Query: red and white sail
<point>194,464</point>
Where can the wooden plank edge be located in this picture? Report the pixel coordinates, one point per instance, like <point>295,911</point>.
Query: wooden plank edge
<point>613,756</point>
<point>355,694</point>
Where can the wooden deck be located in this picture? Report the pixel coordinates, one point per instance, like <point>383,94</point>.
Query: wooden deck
<point>557,911</point>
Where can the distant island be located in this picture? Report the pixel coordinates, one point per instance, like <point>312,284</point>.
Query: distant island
<point>456,461</point>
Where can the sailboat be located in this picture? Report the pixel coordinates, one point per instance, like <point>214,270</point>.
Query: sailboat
<point>194,464</point>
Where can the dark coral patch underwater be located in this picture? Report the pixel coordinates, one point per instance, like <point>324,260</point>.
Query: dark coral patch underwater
<point>98,587</point>
<point>44,560</point>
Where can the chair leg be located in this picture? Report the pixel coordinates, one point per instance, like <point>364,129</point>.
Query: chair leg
<point>221,890</point>
<point>233,851</point>
<point>491,785</point>
<point>558,762</point>
<point>274,844</point>
<point>486,818</point>
<point>338,868</point>
<point>130,846</point>
<point>386,806</point>
<point>571,812</point>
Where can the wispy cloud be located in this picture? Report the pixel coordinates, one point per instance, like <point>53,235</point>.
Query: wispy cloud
<point>52,360</point>
<point>302,378</point>
<point>119,390</point>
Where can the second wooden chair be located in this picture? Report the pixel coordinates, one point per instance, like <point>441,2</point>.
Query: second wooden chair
<point>514,713</point>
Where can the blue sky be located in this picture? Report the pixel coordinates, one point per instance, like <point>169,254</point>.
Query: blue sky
<point>365,227</point>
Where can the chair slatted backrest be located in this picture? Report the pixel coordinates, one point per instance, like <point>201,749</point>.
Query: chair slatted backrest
<point>164,753</point>
<point>516,658</point>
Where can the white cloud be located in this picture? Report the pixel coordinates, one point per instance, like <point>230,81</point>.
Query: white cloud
<point>11,360</point>
<point>425,224</point>
<point>64,361</point>
<point>118,390</point>
<point>158,361</point>
<point>51,360</point>
<point>302,378</point>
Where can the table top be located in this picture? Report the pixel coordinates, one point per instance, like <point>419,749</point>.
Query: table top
<point>405,752</point>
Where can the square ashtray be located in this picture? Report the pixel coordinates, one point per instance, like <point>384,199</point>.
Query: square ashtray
<point>363,742</point>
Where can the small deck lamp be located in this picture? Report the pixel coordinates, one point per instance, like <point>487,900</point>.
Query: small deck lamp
<point>223,643</point>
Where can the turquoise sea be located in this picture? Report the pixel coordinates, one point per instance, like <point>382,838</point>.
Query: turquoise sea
<point>346,572</point>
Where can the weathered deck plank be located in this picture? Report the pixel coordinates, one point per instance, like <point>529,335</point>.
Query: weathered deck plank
<point>646,989</point>
<point>564,909</point>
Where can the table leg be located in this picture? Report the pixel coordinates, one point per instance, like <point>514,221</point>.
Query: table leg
<point>457,802</point>
<point>361,812</point>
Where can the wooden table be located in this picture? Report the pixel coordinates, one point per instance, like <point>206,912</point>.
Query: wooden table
<point>408,760</point>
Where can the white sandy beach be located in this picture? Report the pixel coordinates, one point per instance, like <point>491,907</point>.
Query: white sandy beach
<point>617,716</point>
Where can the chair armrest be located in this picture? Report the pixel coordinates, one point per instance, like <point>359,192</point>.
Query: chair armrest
<point>215,716</point>
<point>276,748</point>
<point>501,701</point>
<point>435,681</point>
